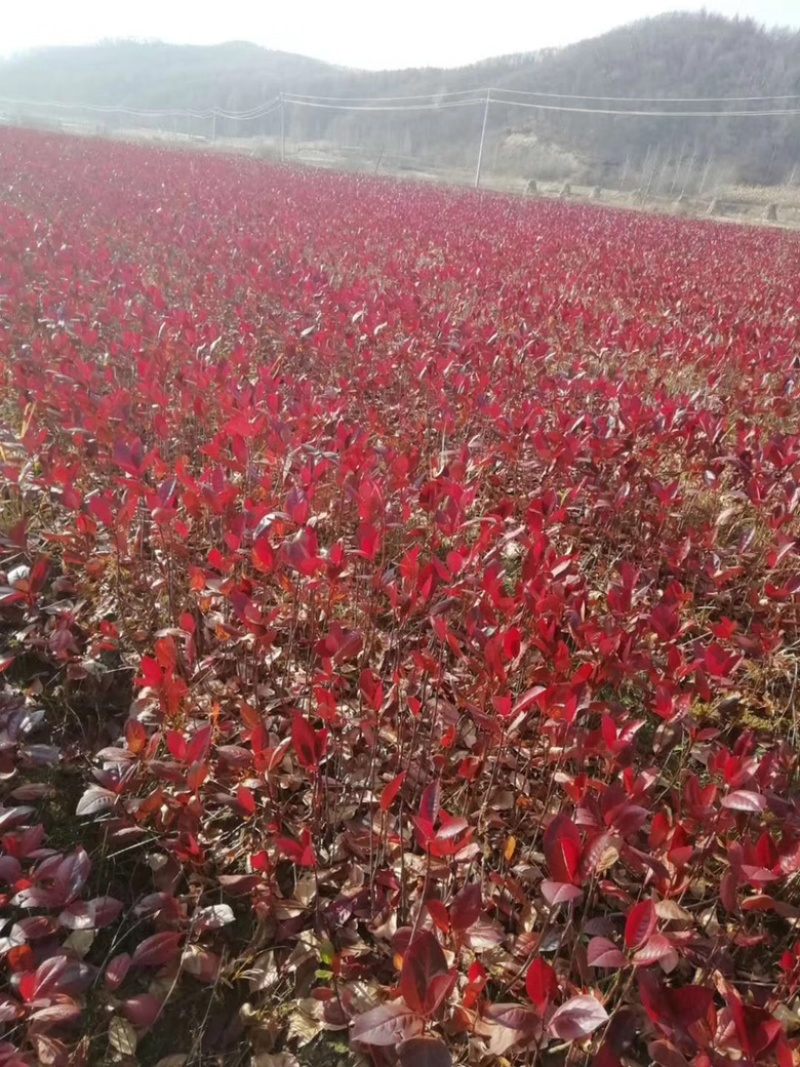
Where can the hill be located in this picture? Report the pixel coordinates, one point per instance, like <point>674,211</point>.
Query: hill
<point>673,56</point>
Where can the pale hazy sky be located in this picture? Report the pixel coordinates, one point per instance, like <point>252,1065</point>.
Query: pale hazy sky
<point>367,33</point>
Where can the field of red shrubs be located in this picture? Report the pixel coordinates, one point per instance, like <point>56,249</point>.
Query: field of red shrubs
<point>400,622</point>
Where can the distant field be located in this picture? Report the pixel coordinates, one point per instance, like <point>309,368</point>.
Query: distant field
<point>740,203</point>
<point>399,621</point>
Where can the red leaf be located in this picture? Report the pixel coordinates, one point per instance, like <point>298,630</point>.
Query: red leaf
<point>556,893</point>
<point>27,985</point>
<point>718,662</point>
<point>368,540</point>
<point>657,947</point>
<point>10,870</point>
<point>451,826</point>
<point>61,974</point>
<point>673,1009</point>
<point>386,1025</point>
<point>71,874</point>
<point>158,949</point>
<point>439,989</point>
<point>640,924</point>
<point>562,848</point>
<point>391,790</point>
<point>371,689</point>
<point>506,1025</point>
<point>744,800</point>
<point>439,913</point>
<point>90,914</point>
<point>300,852</point>
<point>606,1056</point>
<point>197,748</point>
<point>423,961</point>
<point>756,1028</point>
<point>141,1010</point>
<point>430,802</point>
<point>39,573</point>
<point>466,907</point>
<point>54,1014</point>
<point>541,984</point>
<point>304,741</point>
<point>577,1018</point>
<point>528,698</point>
<point>116,970</point>
<point>601,952</point>
<point>246,799</point>
<point>176,743</point>
<point>666,1055</point>
<point>424,1052</point>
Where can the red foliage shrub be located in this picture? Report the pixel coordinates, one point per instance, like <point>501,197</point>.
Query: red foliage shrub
<point>408,581</point>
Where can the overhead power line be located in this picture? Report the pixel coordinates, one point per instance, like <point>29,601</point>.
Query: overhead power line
<point>385,107</point>
<point>651,99</point>
<point>497,92</point>
<point>652,114</point>
<point>637,113</point>
<point>119,109</point>
<point>447,100</point>
<point>445,93</point>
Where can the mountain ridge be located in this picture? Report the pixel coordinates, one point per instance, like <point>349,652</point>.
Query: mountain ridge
<point>672,56</point>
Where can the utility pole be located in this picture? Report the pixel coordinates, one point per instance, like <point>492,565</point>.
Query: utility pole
<point>677,171</point>
<point>213,124</point>
<point>690,172</point>
<point>483,138</point>
<point>283,130</point>
<point>704,179</point>
<point>624,174</point>
<point>652,174</point>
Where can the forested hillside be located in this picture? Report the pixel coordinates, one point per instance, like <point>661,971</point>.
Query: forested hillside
<point>675,56</point>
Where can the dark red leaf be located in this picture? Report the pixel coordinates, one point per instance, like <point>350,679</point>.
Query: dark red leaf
<point>666,1055</point>
<point>577,1018</point>
<point>640,924</point>
<point>466,907</point>
<point>439,989</point>
<point>61,974</point>
<point>430,802</point>
<point>744,800</point>
<point>387,1025</point>
<point>601,952</point>
<point>424,1052</point>
<point>116,970</point>
<point>439,913</point>
<point>304,741</point>
<point>423,961</point>
<point>656,947</point>
<point>156,950</point>
<point>91,914</point>
<point>142,1010</point>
